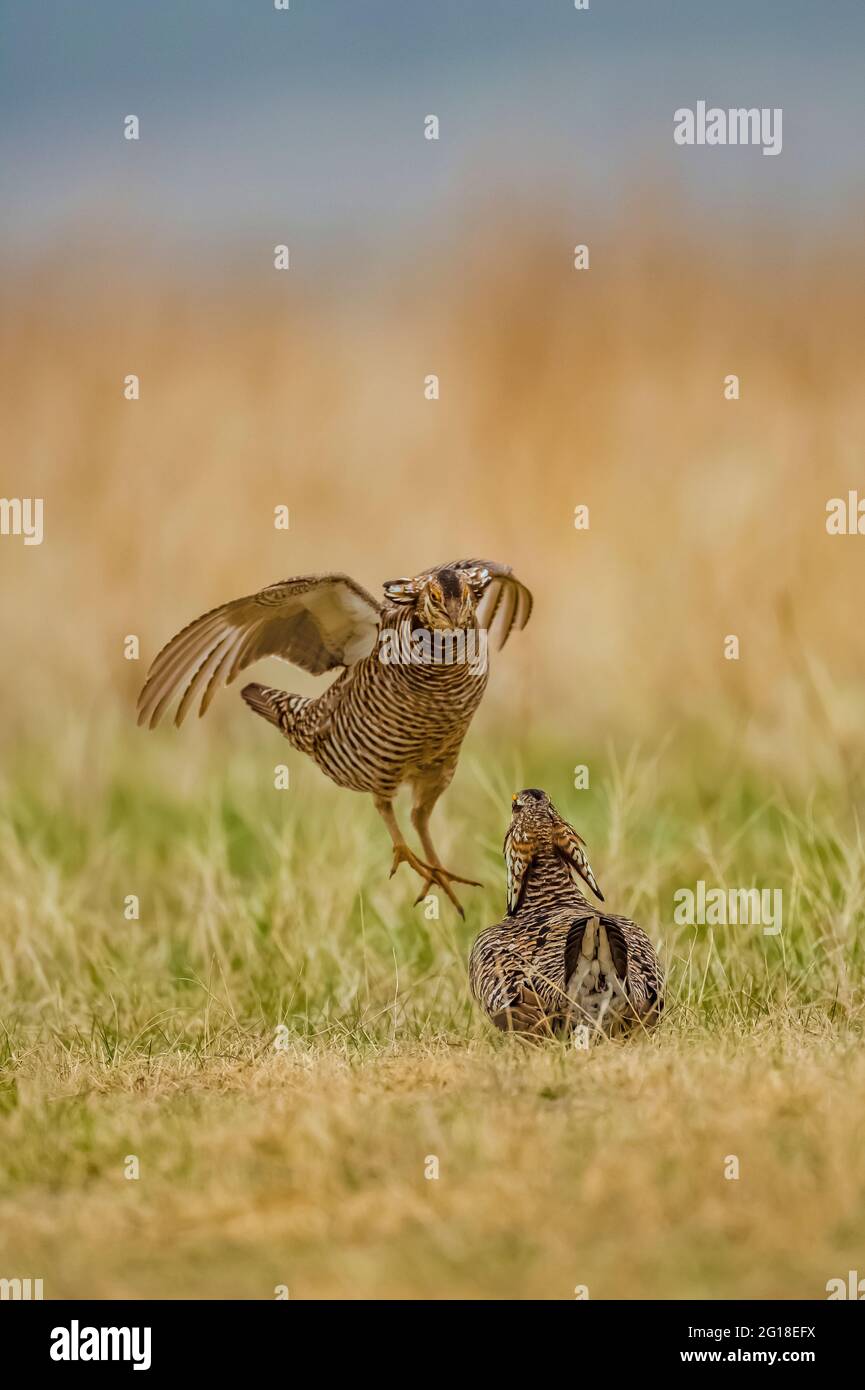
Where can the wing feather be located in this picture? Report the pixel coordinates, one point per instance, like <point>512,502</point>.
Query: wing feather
<point>162,688</point>
<point>202,673</point>
<point>503,596</point>
<point>318,622</point>
<point>571,847</point>
<point>518,857</point>
<point>218,676</point>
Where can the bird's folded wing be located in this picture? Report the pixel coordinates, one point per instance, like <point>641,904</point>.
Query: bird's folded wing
<point>316,621</point>
<point>518,857</point>
<point>571,848</point>
<point>505,600</point>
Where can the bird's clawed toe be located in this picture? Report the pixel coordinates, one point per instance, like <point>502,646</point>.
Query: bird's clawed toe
<point>431,874</point>
<point>403,855</point>
<point>455,878</point>
<point>434,876</point>
<point>443,878</point>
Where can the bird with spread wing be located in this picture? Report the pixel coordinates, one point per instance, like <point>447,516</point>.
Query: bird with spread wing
<point>399,709</point>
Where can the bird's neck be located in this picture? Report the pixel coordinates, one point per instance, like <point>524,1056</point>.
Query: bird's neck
<point>548,883</point>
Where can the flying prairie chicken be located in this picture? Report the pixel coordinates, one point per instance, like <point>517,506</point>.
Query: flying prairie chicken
<point>556,962</point>
<point>414,670</point>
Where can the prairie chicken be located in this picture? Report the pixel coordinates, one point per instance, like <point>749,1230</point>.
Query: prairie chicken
<point>413,673</point>
<point>556,962</point>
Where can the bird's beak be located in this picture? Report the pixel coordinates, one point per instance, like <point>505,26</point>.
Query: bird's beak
<point>514,799</point>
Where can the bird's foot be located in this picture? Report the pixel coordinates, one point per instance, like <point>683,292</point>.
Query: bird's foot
<point>403,855</point>
<point>435,873</point>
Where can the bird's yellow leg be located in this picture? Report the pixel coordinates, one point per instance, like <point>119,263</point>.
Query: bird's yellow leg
<point>436,872</point>
<point>402,853</point>
<point>420,820</point>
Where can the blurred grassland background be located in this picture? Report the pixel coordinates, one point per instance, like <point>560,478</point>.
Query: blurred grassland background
<point>558,388</point>
<point>258,908</point>
<point>156,1037</point>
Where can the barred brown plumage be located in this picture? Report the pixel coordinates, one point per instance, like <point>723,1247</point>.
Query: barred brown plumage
<point>555,961</point>
<point>391,717</point>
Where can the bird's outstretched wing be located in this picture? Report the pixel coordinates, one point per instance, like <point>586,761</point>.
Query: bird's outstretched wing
<point>502,597</point>
<point>317,621</point>
<point>571,847</point>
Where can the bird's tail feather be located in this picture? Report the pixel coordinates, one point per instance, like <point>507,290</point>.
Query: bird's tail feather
<point>278,707</point>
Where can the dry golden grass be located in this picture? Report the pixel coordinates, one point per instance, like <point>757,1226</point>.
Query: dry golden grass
<point>304,1167</point>
<point>556,1169</point>
<point>156,1037</point>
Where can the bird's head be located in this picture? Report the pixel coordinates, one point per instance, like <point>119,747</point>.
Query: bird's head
<point>533,818</point>
<point>446,601</point>
<point>537,831</point>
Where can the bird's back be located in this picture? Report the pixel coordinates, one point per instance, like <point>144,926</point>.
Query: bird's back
<point>557,961</point>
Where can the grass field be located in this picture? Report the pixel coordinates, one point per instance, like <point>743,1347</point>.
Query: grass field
<point>297,1158</point>
<point>303,1165</point>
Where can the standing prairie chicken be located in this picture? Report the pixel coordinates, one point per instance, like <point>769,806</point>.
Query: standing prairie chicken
<point>413,671</point>
<point>556,962</point>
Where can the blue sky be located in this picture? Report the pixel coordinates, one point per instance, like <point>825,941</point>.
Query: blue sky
<point>306,123</point>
